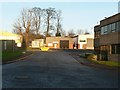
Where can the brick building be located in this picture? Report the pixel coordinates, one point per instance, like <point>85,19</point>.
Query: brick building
<point>106,42</point>
<point>59,42</point>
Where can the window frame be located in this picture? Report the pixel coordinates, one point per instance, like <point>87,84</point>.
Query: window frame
<point>115,49</point>
<point>113,27</point>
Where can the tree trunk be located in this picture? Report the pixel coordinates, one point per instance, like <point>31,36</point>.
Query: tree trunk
<point>27,35</point>
<point>48,27</point>
<point>27,41</point>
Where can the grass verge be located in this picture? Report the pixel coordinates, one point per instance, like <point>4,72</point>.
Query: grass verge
<point>92,58</point>
<point>9,55</point>
<point>108,63</point>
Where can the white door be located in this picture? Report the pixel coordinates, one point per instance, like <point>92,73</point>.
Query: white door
<point>55,45</point>
<point>81,46</point>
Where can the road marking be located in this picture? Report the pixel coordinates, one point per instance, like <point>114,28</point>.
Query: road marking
<point>22,77</point>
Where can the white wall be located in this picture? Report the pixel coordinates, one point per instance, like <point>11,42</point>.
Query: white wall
<point>83,37</point>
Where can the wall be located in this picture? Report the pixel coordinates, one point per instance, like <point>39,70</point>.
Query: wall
<point>114,57</point>
<point>106,40</point>
<point>83,45</point>
<point>56,40</point>
<point>90,43</point>
<point>109,20</point>
<point>37,43</point>
<point>8,45</point>
<point>111,38</point>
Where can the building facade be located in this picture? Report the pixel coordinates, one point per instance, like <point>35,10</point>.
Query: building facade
<point>37,43</point>
<point>85,41</point>
<point>59,42</point>
<point>10,36</point>
<point>97,40</point>
<point>8,45</point>
<point>106,42</point>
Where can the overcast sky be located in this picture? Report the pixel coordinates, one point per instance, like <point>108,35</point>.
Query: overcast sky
<point>75,15</point>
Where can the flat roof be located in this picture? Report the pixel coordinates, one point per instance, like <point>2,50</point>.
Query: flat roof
<point>111,17</point>
<point>7,34</point>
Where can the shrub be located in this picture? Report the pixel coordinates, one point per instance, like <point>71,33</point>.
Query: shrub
<point>87,54</point>
<point>92,57</point>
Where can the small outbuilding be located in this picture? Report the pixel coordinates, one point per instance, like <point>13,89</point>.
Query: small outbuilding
<point>85,41</point>
<point>37,43</point>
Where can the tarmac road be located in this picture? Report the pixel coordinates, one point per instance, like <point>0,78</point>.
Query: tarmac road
<point>55,69</point>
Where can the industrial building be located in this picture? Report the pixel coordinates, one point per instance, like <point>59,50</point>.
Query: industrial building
<point>85,41</point>
<point>10,36</point>
<point>37,43</point>
<point>59,42</point>
<point>106,42</point>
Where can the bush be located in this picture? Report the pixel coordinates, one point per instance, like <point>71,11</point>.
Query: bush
<point>91,57</point>
<point>87,54</point>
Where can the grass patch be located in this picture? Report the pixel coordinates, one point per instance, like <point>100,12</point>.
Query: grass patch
<point>108,63</point>
<point>9,55</point>
<point>93,58</point>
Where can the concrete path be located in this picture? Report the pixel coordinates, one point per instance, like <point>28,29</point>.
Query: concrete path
<point>55,69</point>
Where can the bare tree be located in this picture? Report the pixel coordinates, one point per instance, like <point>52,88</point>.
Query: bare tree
<point>31,20</point>
<point>71,33</point>
<point>86,32</point>
<point>23,25</point>
<point>80,31</point>
<point>63,32</point>
<point>18,28</point>
<point>50,17</point>
<point>36,22</point>
<point>58,24</point>
<point>26,21</point>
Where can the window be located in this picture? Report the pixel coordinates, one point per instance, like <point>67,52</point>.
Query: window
<point>104,30</point>
<point>113,28</point>
<point>82,40</point>
<point>118,26</point>
<point>97,34</point>
<point>115,48</point>
<point>109,28</point>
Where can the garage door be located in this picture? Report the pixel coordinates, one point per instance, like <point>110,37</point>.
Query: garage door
<point>64,43</point>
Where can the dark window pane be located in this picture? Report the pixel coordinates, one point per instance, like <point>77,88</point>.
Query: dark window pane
<point>109,28</point>
<point>113,28</point>
<point>82,40</point>
<point>113,49</point>
<point>116,49</point>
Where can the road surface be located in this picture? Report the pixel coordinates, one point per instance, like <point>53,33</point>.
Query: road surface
<point>55,69</point>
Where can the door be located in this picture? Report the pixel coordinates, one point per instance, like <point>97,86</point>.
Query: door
<point>64,44</point>
<point>55,45</point>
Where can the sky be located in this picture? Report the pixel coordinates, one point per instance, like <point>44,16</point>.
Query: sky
<point>75,15</point>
